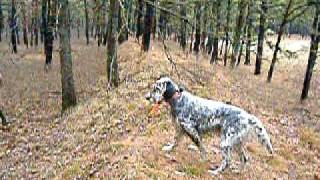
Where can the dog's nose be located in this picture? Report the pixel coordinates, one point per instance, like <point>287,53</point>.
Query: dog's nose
<point>148,96</point>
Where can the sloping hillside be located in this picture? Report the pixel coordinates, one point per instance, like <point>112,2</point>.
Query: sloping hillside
<point>110,135</point>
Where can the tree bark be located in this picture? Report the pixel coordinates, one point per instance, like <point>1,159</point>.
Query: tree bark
<point>112,45</point>
<point>227,33</point>
<point>35,22</point>
<point>214,56</point>
<point>87,20</point>
<point>1,21</point>
<point>198,27</point>
<point>238,31</point>
<point>24,24</point>
<point>183,26</point>
<point>263,16</point>
<point>249,30</point>
<point>139,19</point>
<point>280,33</point>
<point>315,38</point>
<point>68,91</point>
<point>13,26</point>
<point>147,26</point>
<point>48,39</point>
<point>3,118</point>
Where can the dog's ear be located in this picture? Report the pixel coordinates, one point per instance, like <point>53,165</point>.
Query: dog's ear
<point>170,90</point>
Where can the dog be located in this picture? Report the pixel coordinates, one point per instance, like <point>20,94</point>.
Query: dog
<point>194,116</point>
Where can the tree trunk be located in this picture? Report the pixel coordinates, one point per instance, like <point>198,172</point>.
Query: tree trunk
<point>238,31</point>
<point>198,27</point>
<point>48,39</point>
<point>249,29</point>
<point>315,38</point>
<point>191,37</point>
<point>139,19</point>
<point>35,22</point>
<point>1,20</point>
<point>162,24</point>
<point>44,28</point>
<point>13,26</point>
<point>147,26</point>
<point>87,20</point>
<point>3,118</point>
<point>123,33</point>
<point>68,91</point>
<point>183,26</point>
<point>240,52</point>
<point>112,46</point>
<point>214,56</point>
<point>227,33</point>
<point>263,16</point>
<point>24,24</point>
<point>277,47</point>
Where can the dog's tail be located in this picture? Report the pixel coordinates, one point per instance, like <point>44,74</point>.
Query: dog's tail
<point>262,134</point>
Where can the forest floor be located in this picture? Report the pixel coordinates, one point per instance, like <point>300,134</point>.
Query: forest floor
<point>109,134</point>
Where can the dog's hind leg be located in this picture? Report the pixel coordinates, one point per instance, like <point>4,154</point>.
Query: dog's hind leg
<point>195,137</point>
<point>226,160</point>
<point>244,157</point>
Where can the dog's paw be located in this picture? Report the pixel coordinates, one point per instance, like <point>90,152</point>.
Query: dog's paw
<point>168,148</point>
<point>214,172</point>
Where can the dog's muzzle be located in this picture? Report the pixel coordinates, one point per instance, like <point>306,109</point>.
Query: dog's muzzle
<point>148,96</point>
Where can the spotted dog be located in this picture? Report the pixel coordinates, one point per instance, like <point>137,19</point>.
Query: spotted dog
<point>195,116</point>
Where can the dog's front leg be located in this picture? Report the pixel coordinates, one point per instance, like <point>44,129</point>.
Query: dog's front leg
<point>195,137</point>
<point>170,146</point>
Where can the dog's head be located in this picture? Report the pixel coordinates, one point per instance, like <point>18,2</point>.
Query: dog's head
<point>163,89</point>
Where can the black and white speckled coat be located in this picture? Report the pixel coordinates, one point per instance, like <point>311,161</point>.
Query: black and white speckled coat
<point>195,116</point>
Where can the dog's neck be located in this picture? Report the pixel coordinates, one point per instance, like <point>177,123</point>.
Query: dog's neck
<point>174,98</point>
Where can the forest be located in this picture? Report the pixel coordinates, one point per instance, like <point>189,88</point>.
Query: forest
<point>74,75</point>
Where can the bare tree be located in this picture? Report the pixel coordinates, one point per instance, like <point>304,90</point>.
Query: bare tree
<point>263,16</point>
<point>112,46</point>
<point>1,21</point>
<point>148,21</point>
<point>238,31</point>
<point>280,33</point>
<point>68,91</point>
<point>86,20</point>
<point>315,38</point>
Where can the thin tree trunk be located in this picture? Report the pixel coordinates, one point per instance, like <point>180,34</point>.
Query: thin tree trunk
<point>123,33</point>
<point>147,26</point>
<point>183,26</point>
<point>139,19</point>
<point>191,38</point>
<point>214,56</point>
<point>277,47</point>
<point>87,20</point>
<point>3,118</point>
<point>227,33</point>
<point>68,91</point>
<point>24,24</point>
<point>49,33</point>
<point>1,21</point>
<point>315,38</point>
<point>112,46</point>
<point>35,22</point>
<point>240,52</point>
<point>198,27</point>
<point>263,16</point>
<point>13,25</point>
<point>249,29</point>
<point>238,31</point>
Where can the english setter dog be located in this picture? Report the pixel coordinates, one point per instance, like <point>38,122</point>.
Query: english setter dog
<point>195,116</point>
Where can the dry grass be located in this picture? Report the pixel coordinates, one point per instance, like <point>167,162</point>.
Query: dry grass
<point>110,135</point>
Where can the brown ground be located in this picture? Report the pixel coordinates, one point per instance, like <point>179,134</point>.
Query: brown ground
<point>109,134</point>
